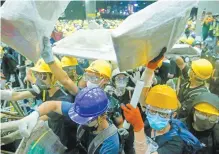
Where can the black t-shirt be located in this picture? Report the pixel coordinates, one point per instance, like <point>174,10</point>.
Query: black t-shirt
<point>61,125</point>
<point>163,72</point>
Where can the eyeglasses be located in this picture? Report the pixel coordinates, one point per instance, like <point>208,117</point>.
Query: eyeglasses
<point>41,76</point>
<point>161,112</point>
<point>93,78</point>
<point>203,116</point>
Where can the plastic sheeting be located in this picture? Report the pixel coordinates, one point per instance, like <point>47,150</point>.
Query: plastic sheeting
<point>89,44</point>
<point>184,49</point>
<point>24,23</point>
<point>142,35</point>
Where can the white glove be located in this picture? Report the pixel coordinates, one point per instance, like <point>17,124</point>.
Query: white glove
<point>6,95</point>
<point>147,77</point>
<point>28,123</point>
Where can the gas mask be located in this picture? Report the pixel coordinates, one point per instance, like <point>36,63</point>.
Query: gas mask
<point>92,126</point>
<point>42,85</point>
<point>120,84</point>
<point>92,85</point>
<point>203,122</point>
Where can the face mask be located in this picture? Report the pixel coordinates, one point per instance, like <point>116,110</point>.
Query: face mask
<point>120,91</point>
<point>92,126</point>
<point>42,85</point>
<point>92,85</point>
<point>201,125</point>
<point>156,122</point>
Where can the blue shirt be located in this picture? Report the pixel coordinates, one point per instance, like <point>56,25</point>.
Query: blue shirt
<point>109,146</point>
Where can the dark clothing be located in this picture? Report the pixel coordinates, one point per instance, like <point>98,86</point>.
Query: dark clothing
<point>214,83</point>
<point>187,95</point>
<point>163,72</point>
<point>209,137</point>
<point>173,146</point>
<point>61,125</point>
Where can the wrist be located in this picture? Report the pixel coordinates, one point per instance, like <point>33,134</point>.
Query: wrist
<point>6,95</point>
<point>147,77</point>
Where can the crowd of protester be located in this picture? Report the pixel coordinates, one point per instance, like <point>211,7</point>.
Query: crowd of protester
<point>86,104</point>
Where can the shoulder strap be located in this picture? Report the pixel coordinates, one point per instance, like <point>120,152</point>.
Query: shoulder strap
<point>100,138</point>
<point>80,133</point>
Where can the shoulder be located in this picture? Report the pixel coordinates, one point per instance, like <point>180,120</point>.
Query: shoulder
<point>65,107</point>
<point>173,146</point>
<point>110,145</point>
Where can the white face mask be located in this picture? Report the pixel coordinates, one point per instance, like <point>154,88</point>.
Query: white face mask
<point>92,85</point>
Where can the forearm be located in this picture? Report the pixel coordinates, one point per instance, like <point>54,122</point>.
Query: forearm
<point>140,142</point>
<point>50,106</point>
<point>147,77</point>
<point>63,78</point>
<point>10,95</point>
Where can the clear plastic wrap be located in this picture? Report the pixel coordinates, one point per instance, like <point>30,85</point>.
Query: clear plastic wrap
<point>24,23</point>
<point>142,35</point>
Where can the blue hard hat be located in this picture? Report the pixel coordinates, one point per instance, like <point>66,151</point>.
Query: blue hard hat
<point>89,104</point>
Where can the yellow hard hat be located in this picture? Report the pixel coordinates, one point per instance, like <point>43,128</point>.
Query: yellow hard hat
<point>202,68</point>
<point>162,96</point>
<point>207,108</point>
<point>183,39</point>
<point>190,40</point>
<point>101,67</point>
<point>41,66</point>
<point>69,61</point>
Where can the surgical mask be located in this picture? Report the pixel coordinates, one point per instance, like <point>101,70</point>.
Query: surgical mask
<point>156,122</point>
<point>42,85</point>
<point>92,85</point>
<point>201,124</point>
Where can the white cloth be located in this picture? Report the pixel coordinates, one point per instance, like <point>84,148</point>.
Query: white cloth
<point>28,123</point>
<point>6,95</point>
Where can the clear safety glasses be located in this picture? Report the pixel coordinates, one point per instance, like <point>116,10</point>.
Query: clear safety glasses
<point>121,81</point>
<point>164,113</point>
<point>69,69</point>
<point>204,116</point>
<point>40,75</point>
<point>92,78</point>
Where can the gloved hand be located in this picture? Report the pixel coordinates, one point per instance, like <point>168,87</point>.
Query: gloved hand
<point>28,123</point>
<point>157,61</point>
<point>133,116</point>
<point>123,133</point>
<point>47,53</point>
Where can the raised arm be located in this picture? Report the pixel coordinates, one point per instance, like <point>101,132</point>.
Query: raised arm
<point>58,72</point>
<point>10,95</point>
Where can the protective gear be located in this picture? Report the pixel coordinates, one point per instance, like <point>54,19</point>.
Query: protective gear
<point>6,95</point>
<point>69,61</point>
<point>201,125</point>
<point>202,69</point>
<point>207,108</point>
<point>156,122</point>
<point>47,53</point>
<point>89,104</point>
<point>117,72</point>
<point>119,81</point>
<point>41,66</point>
<point>39,83</point>
<point>133,116</point>
<point>92,85</point>
<point>101,67</point>
<point>190,40</point>
<point>28,123</point>
<point>162,96</point>
<point>119,91</point>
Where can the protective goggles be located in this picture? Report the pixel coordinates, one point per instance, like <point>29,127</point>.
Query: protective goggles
<point>92,78</point>
<point>40,75</point>
<point>69,68</point>
<point>203,116</point>
<point>121,80</point>
<point>164,113</point>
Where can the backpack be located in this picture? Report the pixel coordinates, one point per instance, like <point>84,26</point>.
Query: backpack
<point>192,144</point>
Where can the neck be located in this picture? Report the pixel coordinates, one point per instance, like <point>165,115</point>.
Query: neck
<point>195,84</point>
<point>52,91</point>
<point>104,124</point>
